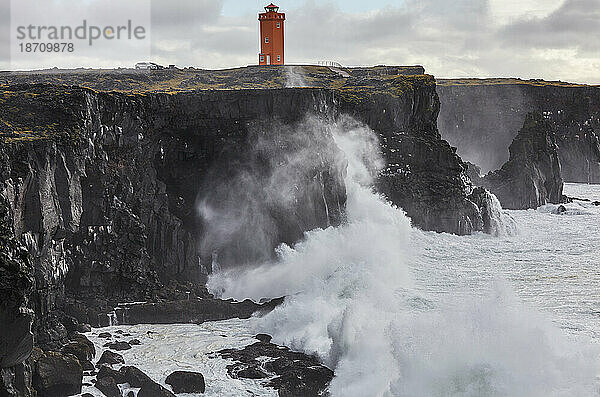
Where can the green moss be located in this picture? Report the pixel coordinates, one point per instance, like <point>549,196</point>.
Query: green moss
<point>40,112</point>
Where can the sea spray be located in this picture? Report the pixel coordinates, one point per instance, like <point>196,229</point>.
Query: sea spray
<point>294,77</point>
<point>351,300</point>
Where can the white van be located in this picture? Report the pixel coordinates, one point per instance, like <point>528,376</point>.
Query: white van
<point>146,65</point>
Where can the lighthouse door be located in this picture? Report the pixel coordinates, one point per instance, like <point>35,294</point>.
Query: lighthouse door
<point>268,59</point>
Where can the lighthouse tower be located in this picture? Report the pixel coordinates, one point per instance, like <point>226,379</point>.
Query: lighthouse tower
<point>271,36</point>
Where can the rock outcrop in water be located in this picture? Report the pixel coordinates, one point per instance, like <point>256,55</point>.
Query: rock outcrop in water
<point>482,117</point>
<point>532,176</point>
<point>292,374</point>
<point>423,173</point>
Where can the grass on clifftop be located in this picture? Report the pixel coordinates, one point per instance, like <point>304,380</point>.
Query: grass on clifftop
<point>184,80</point>
<point>50,105</point>
<point>30,113</point>
<point>505,81</point>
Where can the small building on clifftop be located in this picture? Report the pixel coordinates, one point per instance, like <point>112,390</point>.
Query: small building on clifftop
<point>271,36</point>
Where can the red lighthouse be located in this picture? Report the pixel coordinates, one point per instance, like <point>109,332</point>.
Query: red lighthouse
<point>271,36</point>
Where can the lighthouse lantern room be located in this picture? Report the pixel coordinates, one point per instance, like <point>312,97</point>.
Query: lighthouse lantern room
<point>271,36</point>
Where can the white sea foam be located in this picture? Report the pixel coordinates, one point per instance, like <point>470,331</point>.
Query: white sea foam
<point>166,348</point>
<point>359,299</point>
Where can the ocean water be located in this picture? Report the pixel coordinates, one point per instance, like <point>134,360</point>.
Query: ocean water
<point>400,312</point>
<point>166,348</point>
<point>552,262</point>
<point>396,311</point>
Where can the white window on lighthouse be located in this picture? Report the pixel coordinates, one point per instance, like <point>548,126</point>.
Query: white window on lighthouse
<point>278,58</point>
<point>266,40</point>
<point>278,25</point>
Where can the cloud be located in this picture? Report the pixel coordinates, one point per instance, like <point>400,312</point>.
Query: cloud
<point>576,24</point>
<point>551,39</point>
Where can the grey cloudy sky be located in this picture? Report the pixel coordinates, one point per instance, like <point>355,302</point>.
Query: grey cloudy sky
<point>550,39</point>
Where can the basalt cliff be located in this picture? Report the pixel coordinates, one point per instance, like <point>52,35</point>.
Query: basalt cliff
<point>481,117</point>
<point>115,185</point>
<point>532,175</point>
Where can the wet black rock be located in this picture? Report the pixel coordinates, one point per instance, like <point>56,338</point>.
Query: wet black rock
<point>87,365</point>
<point>119,345</point>
<point>16,381</point>
<point>422,173</point>
<point>135,378</point>
<point>108,387</point>
<point>191,311</point>
<point>561,209</point>
<point>263,338</point>
<point>105,371</point>
<point>186,382</point>
<point>83,328</point>
<point>249,373</point>
<point>532,176</point>
<point>135,342</point>
<point>104,335</point>
<point>57,375</point>
<point>80,346</point>
<point>16,283</point>
<point>294,373</point>
<point>148,387</point>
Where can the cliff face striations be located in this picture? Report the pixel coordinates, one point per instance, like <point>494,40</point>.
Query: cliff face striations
<point>482,117</point>
<point>423,174</point>
<point>102,187</point>
<point>532,175</point>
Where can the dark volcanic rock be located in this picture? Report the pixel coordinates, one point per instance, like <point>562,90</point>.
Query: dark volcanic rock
<point>482,119</point>
<point>81,347</point>
<point>82,328</point>
<point>119,345</point>
<point>110,358</point>
<point>263,338</point>
<point>16,381</point>
<point>121,175</point>
<point>57,375</point>
<point>87,365</point>
<point>108,387</point>
<point>191,311</point>
<point>423,174</point>
<point>532,176</point>
<point>490,209</point>
<point>135,378</point>
<point>16,282</point>
<point>148,388</point>
<point>105,372</point>
<point>561,209</point>
<point>104,335</point>
<point>294,374</point>
<point>186,382</point>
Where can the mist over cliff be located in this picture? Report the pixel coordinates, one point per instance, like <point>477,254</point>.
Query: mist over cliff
<point>482,117</point>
